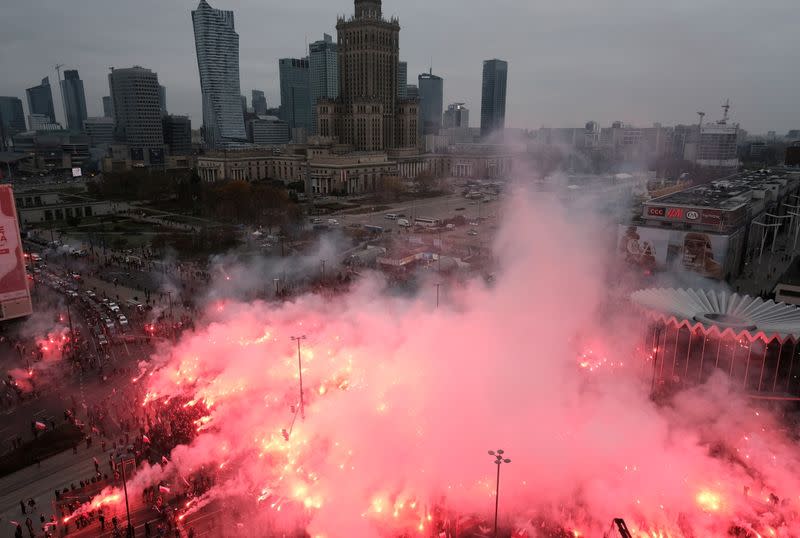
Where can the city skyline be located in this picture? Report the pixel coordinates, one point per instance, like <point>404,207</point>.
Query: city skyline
<point>632,66</point>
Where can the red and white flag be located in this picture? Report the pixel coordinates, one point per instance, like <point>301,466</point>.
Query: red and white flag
<point>163,489</point>
<point>164,460</point>
<point>41,425</point>
<point>145,439</point>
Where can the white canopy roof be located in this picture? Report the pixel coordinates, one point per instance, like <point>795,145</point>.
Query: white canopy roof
<point>723,310</point>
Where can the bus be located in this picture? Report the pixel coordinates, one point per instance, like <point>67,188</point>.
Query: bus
<point>427,222</point>
<point>373,229</point>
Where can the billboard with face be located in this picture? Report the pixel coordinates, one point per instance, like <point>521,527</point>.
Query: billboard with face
<point>14,294</point>
<point>675,250</point>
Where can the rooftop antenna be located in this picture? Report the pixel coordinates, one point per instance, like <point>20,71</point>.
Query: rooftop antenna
<point>726,107</point>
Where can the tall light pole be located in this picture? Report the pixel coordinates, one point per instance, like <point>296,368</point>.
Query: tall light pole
<point>498,460</point>
<point>276,280</point>
<point>323,269</point>
<point>122,462</point>
<point>300,371</point>
<point>437,294</point>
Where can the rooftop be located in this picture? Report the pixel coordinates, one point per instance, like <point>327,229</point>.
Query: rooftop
<point>726,194</point>
<point>9,157</point>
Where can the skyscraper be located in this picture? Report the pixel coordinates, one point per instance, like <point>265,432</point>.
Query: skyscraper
<point>108,107</point>
<point>259,102</point>
<point>295,93</point>
<point>493,96</point>
<point>162,99</point>
<point>217,45</point>
<point>40,100</point>
<point>74,100</point>
<point>367,114</point>
<point>137,111</point>
<point>324,73</point>
<point>13,115</point>
<point>431,90</point>
<point>402,80</point>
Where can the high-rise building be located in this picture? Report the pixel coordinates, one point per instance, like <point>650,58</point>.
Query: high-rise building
<point>367,112</point>
<point>259,102</point>
<point>402,80</point>
<point>137,110</point>
<point>40,100</point>
<point>412,91</point>
<point>13,115</point>
<point>217,45</point>
<point>456,117</point>
<point>162,99</point>
<point>99,130</point>
<point>324,73</point>
<point>431,102</point>
<point>74,100</point>
<point>268,131</point>
<point>493,96</point>
<point>178,134</point>
<point>108,107</point>
<point>295,93</point>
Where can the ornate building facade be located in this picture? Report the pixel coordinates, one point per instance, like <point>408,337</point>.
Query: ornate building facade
<point>368,114</point>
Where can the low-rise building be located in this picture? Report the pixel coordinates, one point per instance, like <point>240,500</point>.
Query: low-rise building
<point>99,130</point>
<point>268,131</point>
<point>710,229</point>
<point>35,208</point>
<point>52,151</point>
<point>354,173</point>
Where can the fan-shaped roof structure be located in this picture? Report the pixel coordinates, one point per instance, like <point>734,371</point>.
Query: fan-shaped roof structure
<point>721,310</point>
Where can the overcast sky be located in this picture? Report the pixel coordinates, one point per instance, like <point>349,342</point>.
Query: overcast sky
<point>570,61</point>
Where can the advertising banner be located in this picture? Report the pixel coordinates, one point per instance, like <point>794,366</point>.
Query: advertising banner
<point>712,217</point>
<point>674,250</point>
<point>645,248</point>
<point>14,294</point>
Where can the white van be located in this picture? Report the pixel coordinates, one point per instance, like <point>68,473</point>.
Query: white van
<point>391,216</point>
<point>404,223</point>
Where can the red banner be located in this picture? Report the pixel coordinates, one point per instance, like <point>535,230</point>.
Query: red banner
<point>13,284</point>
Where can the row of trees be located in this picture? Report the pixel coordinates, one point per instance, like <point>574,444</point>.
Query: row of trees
<point>239,202</point>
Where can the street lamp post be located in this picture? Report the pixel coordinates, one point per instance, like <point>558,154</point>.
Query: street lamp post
<point>300,372</point>
<point>437,294</point>
<point>323,269</point>
<point>125,488</point>
<point>276,280</point>
<point>498,460</point>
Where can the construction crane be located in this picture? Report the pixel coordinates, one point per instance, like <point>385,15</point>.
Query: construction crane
<point>726,107</point>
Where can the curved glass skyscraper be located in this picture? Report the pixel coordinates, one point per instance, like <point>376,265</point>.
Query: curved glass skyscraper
<point>217,45</point>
